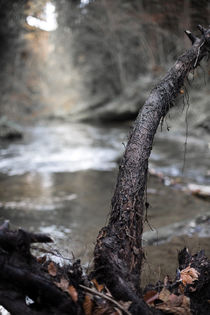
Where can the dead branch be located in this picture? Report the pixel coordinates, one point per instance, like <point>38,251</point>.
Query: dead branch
<point>118,252</point>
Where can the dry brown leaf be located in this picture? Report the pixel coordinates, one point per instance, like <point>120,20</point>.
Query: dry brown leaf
<point>164,295</point>
<point>186,279</point>
<point>175,300</point>
<point>73,293</point>
<point>52,270</point>
<point>88,305</point>
<point>189,275</point>
<point>150,296</point>
<point>194,273</point>
<point>63,284</point>
<point>170,307</point>
<point>98,286</point>
<point>181,288</point>
<point>174,304</point>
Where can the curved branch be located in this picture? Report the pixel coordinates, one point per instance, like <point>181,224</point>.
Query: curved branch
<point>118,252</point>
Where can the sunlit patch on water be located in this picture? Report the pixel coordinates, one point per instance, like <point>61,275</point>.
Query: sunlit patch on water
<point>66,147</point>
<point>63,148</point>
<point>58,232</point>
<point>45,204</point>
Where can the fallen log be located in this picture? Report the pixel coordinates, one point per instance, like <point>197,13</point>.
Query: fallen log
<point>40,286</point>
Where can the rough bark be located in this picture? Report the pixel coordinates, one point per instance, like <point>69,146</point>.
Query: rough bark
<point>118,252</point>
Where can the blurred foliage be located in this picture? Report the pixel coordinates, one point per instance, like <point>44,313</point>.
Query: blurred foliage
<point>100,48</point>
<point>116,41</point>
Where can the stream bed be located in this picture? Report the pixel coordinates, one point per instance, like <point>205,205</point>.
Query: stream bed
<point>60,177</point>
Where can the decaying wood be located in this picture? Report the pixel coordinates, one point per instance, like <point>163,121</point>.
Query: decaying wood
<point>66,290</point>
<point>21,275</point>
<point>118,254</point>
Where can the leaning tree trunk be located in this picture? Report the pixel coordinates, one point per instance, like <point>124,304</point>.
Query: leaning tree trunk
<point>118,252</point>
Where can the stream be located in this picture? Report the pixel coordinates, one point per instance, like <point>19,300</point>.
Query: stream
<point>60,177</point>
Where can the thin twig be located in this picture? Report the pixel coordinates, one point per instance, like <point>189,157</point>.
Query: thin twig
<point>196,61</point>
<point>106,298</point>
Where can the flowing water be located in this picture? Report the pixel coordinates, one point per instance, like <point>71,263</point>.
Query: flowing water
<point>60,178</point>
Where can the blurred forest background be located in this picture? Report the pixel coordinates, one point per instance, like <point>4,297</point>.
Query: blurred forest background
<point>97,61</point>
<point>74,75</point>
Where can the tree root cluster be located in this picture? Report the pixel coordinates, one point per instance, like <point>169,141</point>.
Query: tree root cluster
<point>31,285</point>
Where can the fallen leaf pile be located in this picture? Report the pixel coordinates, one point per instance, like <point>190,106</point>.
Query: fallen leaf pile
<point>89,305</point>
<point>170,302</point>
<point>64,284</point>
<point>174,304</point>
<point>104,304</point>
